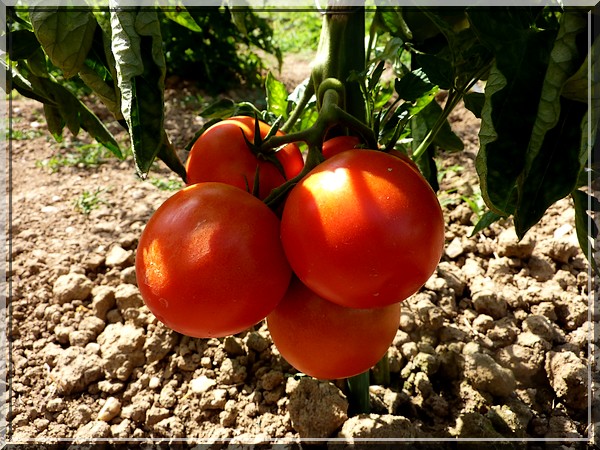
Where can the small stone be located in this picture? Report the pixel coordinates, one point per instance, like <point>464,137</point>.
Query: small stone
<point>96,429</point>
<point>117,256</point>
<point>110,409</point>
<point>72,286</point>
<point>509,244</point>
<point>103,300</point>
<point>201,384</point>
<point>374,426</point>
<point>317,408</point>
<point>568,376</point>
<point>255,341</point>
<point>487,375</point>
<point>128,296</point>
<point>487,302</point>
<point>454,248</point>
<point>234,346</point>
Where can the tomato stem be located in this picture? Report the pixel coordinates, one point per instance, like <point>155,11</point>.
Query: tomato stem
<point>358,390</point>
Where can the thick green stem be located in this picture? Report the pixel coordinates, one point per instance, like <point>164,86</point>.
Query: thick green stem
<point>358,390</point>
<point>341,52</point>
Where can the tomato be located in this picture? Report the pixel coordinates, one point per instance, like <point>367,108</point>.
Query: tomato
<point>340,144</point>
<point>404,157</point>
<point>222,154</point>
<point>328,341</point>
<point>210,263</point>
<point>363,229</point>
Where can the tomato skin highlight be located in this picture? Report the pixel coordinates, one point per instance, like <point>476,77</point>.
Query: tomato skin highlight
<point>328,341</point>
<point>363,229</point>
<point>221,154</point>
<point>210,263</point>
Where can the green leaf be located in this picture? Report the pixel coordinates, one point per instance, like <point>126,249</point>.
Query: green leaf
<point>66,36</point>
<point>181,15</point>
<point>438,70</point>
<point>512,95</point>
<point>552,159</point>
<point>428,168</point>
<point>140,64</point>
<point>225,108</point>
<point>392,21</point>
<point>474,102</point>
<point>200,132</point>
<point>554,172</point>
<point>564,59</point>
<point>413,85</point>
<point>277,96</point>
<point>54,121</point>
<point>585,227</point>
<point>426,120</point>
<point>488,218</point>
<point>21,44</point>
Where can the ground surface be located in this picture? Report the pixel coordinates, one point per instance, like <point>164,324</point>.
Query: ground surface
<point>495,344</point>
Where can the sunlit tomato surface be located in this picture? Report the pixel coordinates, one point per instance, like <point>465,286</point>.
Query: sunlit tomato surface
<point>339,144</point>
<point>328,341</point>
<point>209,262</point>
<point>363,229</point>
<point>221,154</point>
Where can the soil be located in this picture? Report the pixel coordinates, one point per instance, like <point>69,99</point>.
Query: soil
<point>495,345</point>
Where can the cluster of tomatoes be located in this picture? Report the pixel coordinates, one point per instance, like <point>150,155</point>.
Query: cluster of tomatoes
<point>358,234</point>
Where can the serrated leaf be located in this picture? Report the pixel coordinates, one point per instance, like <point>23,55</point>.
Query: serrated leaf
<point>564,60</point>
<point>512,96</point>
<point>140,66</point>
<point>554,172</point>
<point>277,96</point>
<point>66,36</point>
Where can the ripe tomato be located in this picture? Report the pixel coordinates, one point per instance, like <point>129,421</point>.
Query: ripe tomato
<point>210,263</point>
<point>339,144</point>
<point>363,229</point>
<point>328,341</point>
<point>222,154</point>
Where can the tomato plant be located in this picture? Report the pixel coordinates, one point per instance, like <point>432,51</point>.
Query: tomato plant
<point>224,153</point>
<point>363,229</point>
<point>328,341</point>
<point>210,263</point>
<point>360,228</point>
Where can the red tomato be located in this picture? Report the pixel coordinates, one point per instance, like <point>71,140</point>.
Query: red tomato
<point>221,154</point>
<point>339,144</point>
<point>363,229</point>
<point>328,341</point>
<point>210,263</point>
<point>406,158</point>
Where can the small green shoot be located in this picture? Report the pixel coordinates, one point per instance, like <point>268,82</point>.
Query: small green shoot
<point>166,184</point>
<point>89,200</point>
<point>83,156</point>
<point>23,135</point>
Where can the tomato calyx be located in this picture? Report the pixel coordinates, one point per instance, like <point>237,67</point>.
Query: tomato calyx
<point>261,152</point>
